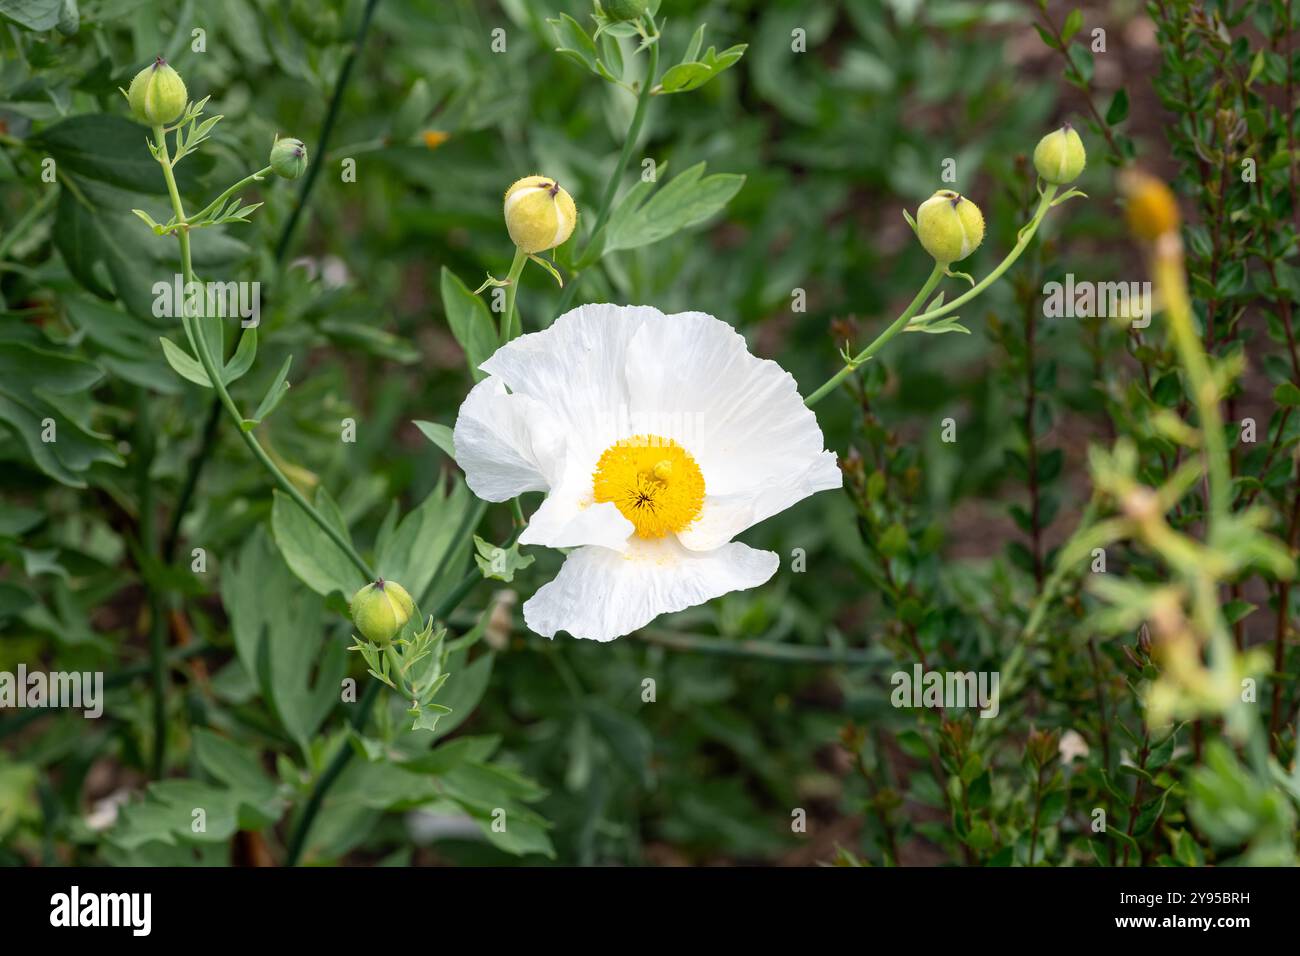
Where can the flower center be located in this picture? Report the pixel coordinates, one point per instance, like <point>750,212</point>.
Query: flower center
<point>654,483</point>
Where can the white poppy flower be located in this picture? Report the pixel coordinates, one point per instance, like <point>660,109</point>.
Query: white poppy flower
<point>657,439</point>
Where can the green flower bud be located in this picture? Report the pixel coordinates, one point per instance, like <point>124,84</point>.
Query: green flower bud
<point>949,226</point>
<point>289,158</point>
<point>69,18</point>
<point>1059,156</point>
<point>624,9</point>
<point>157,94</point>
<point>539,214</point>
<point>380,610</point>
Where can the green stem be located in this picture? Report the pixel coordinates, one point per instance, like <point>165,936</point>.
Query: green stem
<point>611,186</point>
<point>144,455</point>
<point>754,650</point>
<point>512,289</point>
<point>298,838</point>
<point>336,101</point>
<point>895,327</point>
<point>214,375</point>
<point>1026,237</point>
<point>217,203</point>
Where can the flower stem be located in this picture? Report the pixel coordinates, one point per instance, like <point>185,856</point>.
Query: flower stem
<point>217,203</point>
<point>336,101</point>
<point>298,836</point>
<point>512,289</point>
<point>611,186</point>
<point>214,374</point>
<point>1026,236</point>
<point>895,327</point>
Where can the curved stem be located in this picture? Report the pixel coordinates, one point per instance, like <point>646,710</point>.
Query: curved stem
<point>1026,236</point>
<point>895,327</point>
<point>209,364</point>
<point>611,186</point>
<point>512,289</point>
<point>217,203</point>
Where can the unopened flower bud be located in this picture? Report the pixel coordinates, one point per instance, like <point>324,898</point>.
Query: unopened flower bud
<point>949,226</point>
<point>624,9</point>
<point>289,158</point>
<point>157,94</point>
<point>1152,210</point>
<point>539,214</point>
<point>380,610</point>
<point>1060,157</point>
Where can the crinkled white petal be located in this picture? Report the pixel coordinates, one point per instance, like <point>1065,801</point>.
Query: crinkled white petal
<point>601,594</point>
<point>570,517</point>
<point>575,368</point>
<point>691,378</point>
<point>725,516</point>
<point>506,444</point>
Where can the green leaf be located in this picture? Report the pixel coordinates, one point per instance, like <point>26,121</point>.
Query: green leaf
<point>310,553</point>
<point>185,365</point>
<point>36,15</point>
<point>1117,112</point>
<point>242,360</point>
<point>498,563</point>
<point>370,340</point>
<point>687,200</point>
<point>278,640</point>
<point>410,552</point>
<point>685,77</point>
<point>574,42</point>
<point>279,387</point>
<point>465,689</point>
<point>45,395</point>
<point>111,150</point>
<point>440,435</point>
<point>1286,394</point>
<point>1073,23</point>
<point>238,769</point>
<point>470,322</point>
<point>105,247</point>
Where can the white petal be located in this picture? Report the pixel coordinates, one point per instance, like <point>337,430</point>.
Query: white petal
<point>691,378</point>
<point>506,444</point>
<point>570,517</point>
<point>575,369</point>
<point>725,516</point>
<point>601,594</point>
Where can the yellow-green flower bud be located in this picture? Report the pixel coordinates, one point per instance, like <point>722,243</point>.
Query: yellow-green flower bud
<point>624,9</point>
<point>1151,210</point>
<point>539,214</point>
<point>157,95</point>
<point>950,226</point>
<point>380,610</point>
<point>289,158</point>
<point>1060,157</point>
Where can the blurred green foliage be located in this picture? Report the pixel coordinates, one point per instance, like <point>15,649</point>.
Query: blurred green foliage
<point>837,115</point>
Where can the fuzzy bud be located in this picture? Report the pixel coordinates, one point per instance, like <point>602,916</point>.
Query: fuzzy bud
<point>157,95</point>
<point>539,214</point>
<point>289,158</point>
<point>380,610</point>
<point>1151,210</point>
<point>624,9</point>
<point>949,226</point>
<point>1060,157</point>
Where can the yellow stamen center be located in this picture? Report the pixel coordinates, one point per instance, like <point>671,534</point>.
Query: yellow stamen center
<point>654,483</point>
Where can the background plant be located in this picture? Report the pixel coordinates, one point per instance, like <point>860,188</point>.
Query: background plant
<point>947,554</point>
